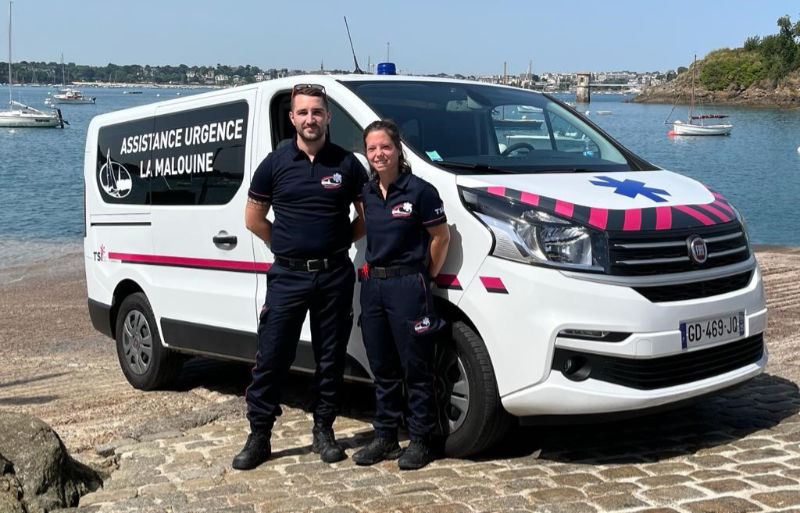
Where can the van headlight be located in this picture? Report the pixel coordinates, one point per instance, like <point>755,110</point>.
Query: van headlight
<point>527,234</point>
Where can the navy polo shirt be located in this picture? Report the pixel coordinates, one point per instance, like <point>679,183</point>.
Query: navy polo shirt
<point>397,226</point>
<point>311,199</point>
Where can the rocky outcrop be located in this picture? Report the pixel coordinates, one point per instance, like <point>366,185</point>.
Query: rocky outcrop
<point>783,93</point>
<point>38,474</point>
<point>10,489</point>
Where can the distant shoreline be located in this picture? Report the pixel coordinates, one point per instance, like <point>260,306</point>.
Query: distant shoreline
<point>149,85</point>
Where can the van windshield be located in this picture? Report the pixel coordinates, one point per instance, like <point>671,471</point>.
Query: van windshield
<point>476,128</point>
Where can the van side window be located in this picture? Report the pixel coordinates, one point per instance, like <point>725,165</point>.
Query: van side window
<point>207,167</point>
<point>344,131</point>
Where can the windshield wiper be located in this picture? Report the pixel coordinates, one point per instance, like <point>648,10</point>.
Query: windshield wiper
<point>478,168</point>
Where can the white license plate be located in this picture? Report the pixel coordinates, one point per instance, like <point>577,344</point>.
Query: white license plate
<point>709,330</point>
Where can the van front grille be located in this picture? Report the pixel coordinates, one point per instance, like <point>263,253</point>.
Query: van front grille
<point>656,253</point>
<point>695,290</point>
<point>654,373</point>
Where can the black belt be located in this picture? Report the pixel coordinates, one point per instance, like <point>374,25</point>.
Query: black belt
<point>392,271</point>
<point>314,264</point>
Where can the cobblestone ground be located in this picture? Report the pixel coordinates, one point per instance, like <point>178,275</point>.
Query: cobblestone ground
<point>736,452</point>
<point>170,451</point>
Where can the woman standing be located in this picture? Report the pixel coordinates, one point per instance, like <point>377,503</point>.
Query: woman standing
<point>407,240</point>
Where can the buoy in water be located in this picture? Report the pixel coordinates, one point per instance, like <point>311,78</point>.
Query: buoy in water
<point>671,133</point>
<point>798,149</point>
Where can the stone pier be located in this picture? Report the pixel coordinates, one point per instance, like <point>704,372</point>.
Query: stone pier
<point>582,93</point>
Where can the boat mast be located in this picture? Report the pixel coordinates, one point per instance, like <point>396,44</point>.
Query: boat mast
<point>691,105</point>
<point>10,96</point>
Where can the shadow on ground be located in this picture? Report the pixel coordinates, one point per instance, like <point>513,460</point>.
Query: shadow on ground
<point>759,404</point>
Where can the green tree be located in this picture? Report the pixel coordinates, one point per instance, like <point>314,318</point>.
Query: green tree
<point>752,43</point>
<point>787,48</point>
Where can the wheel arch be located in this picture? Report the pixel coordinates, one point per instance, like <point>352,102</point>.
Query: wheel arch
<point>452,313</point>
<point>123,289</point>
<point>492,427</point>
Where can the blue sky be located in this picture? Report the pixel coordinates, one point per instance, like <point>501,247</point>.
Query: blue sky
<point>425,36</point>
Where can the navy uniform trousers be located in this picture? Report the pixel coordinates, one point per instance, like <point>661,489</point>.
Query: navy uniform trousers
<point>328,296</point>
<point>397,323</point>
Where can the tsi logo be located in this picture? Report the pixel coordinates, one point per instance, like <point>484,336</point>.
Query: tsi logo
<point>114,178</point>
<point>332,182</point>
<point>402,209</point>
<point>99,256</point>
<point>698,251</point>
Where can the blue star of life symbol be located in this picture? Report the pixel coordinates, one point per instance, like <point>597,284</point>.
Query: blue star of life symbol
<point>631,188</point>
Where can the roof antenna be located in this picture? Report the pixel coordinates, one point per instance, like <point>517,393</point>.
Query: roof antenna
<point>357,70</point>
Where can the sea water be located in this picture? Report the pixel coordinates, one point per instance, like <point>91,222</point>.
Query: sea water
<point>757,167</point>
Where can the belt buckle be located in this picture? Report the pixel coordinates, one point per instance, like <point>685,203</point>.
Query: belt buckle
<point>380,272</point>
<point>316,265</point>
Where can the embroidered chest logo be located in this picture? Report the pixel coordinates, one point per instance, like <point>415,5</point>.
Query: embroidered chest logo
<point>332,182</point>
<point>423,325</point>
<point>404,209</point>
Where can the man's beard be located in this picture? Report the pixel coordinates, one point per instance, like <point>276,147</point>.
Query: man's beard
<point>318,134</point>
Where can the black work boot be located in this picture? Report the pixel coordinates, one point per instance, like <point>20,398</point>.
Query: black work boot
<point>416,455</point>
<point>325,444</point>
<point>255,452</point>
<point>379,449</point>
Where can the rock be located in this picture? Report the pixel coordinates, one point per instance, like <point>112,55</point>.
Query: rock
<point>10,489</point>
<point>37,467</point>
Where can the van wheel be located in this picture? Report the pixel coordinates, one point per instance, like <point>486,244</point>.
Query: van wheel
<point>471,417</point>
<point>146,363</point>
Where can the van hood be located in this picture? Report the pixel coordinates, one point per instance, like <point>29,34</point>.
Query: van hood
<point>634,200</point>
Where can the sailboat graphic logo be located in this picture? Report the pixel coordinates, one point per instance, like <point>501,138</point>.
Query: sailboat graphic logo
<point>114,178</point>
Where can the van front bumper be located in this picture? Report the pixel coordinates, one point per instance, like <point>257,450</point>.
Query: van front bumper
<point>558,395</point>
<point>529,328</point>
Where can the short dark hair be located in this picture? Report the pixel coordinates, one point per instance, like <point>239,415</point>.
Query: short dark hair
<point>391,129</point>
<point>310,90</point>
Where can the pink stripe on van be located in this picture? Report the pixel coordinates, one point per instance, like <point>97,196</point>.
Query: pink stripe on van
<point>202,263</point>
<point>565,208</point>
<point>686,209</point>
<point>598,217</point>
<point>721,215</point>
<point>530,199</point>
<point>633,220</point>
<point>663,218</point>
<point>493,284</point>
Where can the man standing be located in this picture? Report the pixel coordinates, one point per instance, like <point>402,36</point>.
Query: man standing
<point>311,184</point>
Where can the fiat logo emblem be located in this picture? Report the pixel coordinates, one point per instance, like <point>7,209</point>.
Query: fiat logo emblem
<point>698,251</point>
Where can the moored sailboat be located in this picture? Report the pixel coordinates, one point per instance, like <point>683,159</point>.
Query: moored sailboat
<point>20,115</point>
<point>696,122</point>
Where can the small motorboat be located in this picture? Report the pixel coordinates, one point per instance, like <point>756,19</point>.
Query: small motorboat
<point>72,96</point>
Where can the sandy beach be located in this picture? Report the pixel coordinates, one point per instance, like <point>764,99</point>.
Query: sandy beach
<point>58,368</point>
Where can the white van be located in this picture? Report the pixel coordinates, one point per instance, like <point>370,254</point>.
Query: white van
<point>581,279</point>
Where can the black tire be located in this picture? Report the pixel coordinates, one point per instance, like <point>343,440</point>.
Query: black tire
<point>471,417</point>
<point>146,363</point>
